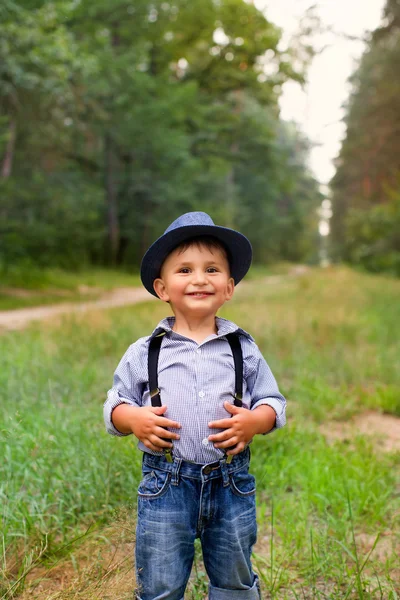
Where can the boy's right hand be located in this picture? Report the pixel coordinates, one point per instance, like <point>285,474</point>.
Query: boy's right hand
<point>147,424</point>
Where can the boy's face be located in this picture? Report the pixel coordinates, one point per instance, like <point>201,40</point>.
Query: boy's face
<point>195,281</point>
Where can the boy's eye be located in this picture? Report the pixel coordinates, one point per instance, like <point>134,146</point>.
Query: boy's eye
<point>184,270</point>
<point>212,270</point>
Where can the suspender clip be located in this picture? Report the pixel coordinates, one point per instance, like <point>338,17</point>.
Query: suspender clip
<point>238,399</point>
<point>154,393</point>
<point>168,455</point>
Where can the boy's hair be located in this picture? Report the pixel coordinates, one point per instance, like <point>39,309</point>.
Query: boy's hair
<point>207,241</point>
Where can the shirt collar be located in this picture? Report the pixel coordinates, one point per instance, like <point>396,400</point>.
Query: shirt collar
<point>223,327</point>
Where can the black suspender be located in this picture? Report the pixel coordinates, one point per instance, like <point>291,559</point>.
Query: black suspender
<point>154,352</point>
<point>152,362</point>
<point>237,353</point>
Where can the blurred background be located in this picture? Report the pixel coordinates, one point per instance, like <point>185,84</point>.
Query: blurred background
<point>279,118</point>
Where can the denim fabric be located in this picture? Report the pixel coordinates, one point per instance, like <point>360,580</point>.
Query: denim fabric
<point>180,501</point>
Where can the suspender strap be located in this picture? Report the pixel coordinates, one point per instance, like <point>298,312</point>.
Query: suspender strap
<point>237,353</point>
<point>154,352</point>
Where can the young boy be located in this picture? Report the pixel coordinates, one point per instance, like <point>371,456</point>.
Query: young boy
<point>195,446</point>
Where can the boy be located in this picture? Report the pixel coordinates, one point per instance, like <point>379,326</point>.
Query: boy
<point>195,446</point>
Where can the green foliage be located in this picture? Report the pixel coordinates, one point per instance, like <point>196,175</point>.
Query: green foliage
<point>365,216</point>
<point>116,117</point>
<point>51,223</point>
<point>37,55</point>
<point>374,237</point>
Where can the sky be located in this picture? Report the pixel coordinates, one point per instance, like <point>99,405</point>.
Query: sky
<point>319,107</point>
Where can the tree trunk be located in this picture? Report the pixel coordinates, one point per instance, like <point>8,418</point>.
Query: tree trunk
<point>111,199</point>
<point>230,189</point>
<point>7,163</point>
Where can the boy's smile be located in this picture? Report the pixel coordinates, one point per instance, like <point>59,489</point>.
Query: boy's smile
<point>196,281</point>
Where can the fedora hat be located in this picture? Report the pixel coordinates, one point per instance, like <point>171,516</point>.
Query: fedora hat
<point>189,226</point>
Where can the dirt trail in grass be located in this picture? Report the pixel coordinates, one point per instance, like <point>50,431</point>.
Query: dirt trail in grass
<point>20,318</point>
<point>382,429</point>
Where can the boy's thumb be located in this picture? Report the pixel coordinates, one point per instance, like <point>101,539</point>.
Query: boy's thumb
<point>159,410</point>
<point>231,408</point>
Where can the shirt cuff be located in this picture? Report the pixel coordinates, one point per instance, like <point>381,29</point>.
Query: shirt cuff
<point>114,400</point>
<point>278,408</point>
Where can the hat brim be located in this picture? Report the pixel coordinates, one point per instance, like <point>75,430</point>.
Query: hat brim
<point>237,245</point>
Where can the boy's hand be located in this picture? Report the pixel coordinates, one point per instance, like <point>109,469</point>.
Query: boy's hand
<point>147,424</point>
<point>241,427</point>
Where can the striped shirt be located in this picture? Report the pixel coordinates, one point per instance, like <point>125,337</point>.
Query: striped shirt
<point>194,381</point>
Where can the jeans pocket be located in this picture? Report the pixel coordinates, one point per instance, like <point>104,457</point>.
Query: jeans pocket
<point>242,483</point>
<point>154,484</point>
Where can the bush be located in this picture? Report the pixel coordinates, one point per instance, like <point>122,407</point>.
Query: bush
<point>373,237</point>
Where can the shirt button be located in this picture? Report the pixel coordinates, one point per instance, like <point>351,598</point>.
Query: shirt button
<point>205,442</point>
<point>198,351</point>
<point>201,394</point>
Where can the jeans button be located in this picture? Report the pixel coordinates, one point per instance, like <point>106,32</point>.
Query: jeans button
<point>207,470</point>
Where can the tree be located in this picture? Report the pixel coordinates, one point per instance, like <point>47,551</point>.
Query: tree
<point>162,107</point>
<point>36,60</point>
<point>368,166</point>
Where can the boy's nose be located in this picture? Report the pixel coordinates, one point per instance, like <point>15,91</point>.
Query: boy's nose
<point>199,277</point>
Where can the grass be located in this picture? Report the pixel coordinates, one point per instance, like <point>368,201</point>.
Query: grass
<point>22,287</point>
<point>328,511</point>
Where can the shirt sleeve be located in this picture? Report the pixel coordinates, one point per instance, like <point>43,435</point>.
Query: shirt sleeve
<point>126,389</point>
<point>263,389</point>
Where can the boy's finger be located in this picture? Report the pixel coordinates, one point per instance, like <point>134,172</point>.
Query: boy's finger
<point>239,448</point>
<point>165,434</point>
<point>220,437</point>
<point>163,422</point>
<point>158,410</point>
<point>221,424</point>
<point>231,408</point>
<point>159,442</point>
<point>231,443</point>
<point>151,446</point>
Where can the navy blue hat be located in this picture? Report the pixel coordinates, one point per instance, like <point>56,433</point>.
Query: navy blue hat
<point>189,226</point>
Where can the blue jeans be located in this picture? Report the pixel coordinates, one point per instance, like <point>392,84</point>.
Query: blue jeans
<point>180,501</point>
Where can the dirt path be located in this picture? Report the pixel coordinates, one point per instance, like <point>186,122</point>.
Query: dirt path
<point>382,429</point>
<point>20,318</point>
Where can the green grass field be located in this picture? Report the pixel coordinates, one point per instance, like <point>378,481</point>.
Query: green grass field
<point>328,507</point>
<point>24,287</point>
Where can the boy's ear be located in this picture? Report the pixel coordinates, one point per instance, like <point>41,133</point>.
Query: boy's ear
<point>159,288</point>
<point>230,289</point>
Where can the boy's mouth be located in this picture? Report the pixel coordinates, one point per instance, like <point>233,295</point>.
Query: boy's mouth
<point>199,294</point>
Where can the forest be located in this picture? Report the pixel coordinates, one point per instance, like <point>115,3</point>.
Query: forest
<point>366,186</point>
<point>118,116</point>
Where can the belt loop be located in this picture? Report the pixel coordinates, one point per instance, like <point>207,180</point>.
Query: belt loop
<point>175,471</point>
<point>224,472</point>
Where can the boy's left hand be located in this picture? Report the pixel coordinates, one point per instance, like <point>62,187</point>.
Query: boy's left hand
<point>241,427</point>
